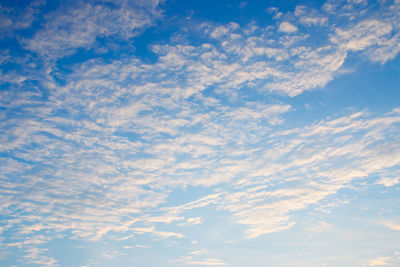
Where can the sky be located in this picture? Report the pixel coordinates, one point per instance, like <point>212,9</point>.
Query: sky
<point>199,133</point>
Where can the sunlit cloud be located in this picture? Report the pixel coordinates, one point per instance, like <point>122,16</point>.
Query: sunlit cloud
<point>126,127</point>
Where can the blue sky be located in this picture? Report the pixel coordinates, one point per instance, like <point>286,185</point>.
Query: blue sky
<point>200,133</point>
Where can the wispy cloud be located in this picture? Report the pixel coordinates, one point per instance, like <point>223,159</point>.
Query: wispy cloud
<point>102,148</point>
<point>78,25</point>
<point>17,18</point>
<point>379,261</point>
<point>392,225</point>
<point>113,133</point>
<point>310,17</point>
<point>35,256</point>
<point>197,258</point>
<point>388,182</point>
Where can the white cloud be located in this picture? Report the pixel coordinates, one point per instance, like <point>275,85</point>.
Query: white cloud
<point>152,230</point>
<point>233,154</point>
<point>346,9</point>
<point>379,261</point>
<point>207,262</point>
<point>275,12</point>
<point>197,258</point>
<point>363,35</point>
<point>192,221</point>
<point>166,234</point>
<point>267,211</point>
<point>116,139</point>
<point>77,26</point>
<point>112,253</point>
<point>287,27</point>
<point>36,256</point>
<point>392,225</point>
<point>310,17</point>
<point>223,30</point>
<point>198,252</point>
<point>388,182</point>
<point>16,18</point>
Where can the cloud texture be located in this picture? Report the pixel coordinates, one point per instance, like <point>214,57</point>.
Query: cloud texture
<point>101,149</point>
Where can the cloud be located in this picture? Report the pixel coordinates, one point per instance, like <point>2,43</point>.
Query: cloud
<point>152,230</point>
<point>114,152</point>
<point>198,252</point>
<point>78,25</point>
<point>287,27</point>
<point>192,221</point>
<point>376,34</point>
<point>379,261</point>
<point>345,9</point>
<point>111,254</point>
<point>17,18</point>
<point>99,151</point>
<point>392,225</point>
<point>388,182</point>
<point>223,30</point>
<point>35,256</point>
<point>267,210</point>
<point>363,35</point>
<point>310,17</point>
<point>275,12</point>
<point>197,258</point>
<point>389,49</point>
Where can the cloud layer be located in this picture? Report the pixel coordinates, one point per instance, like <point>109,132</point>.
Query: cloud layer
<point>96,151</point>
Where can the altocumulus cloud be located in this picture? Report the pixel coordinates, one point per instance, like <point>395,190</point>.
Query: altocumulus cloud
<point>101,150</point>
